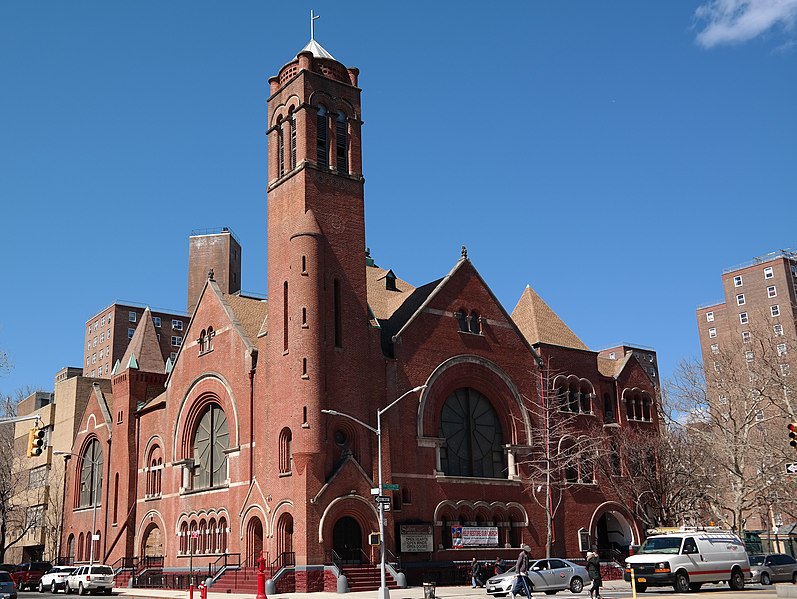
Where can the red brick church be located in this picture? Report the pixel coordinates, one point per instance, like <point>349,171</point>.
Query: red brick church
<point>226,452</point>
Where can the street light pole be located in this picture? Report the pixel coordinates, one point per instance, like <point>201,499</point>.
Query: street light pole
<point>384,593</point>
<point>93,496</point>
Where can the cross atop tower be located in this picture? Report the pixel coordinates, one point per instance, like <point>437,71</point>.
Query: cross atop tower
<point>313,17</point>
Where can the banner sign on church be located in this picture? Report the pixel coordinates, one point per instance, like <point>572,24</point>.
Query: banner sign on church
<point>416,538</point>
<point>474,536</point>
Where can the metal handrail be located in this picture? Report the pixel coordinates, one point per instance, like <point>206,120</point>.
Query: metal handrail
<point>335,559</point>
<point>393,558</point>
<point>284,559</point>
<point>228,560</point>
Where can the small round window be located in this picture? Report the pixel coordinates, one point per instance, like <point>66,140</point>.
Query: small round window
<point>340,438</point>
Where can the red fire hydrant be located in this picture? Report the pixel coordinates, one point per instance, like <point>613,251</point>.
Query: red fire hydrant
<point>203,592</point>
<point>261,577</point>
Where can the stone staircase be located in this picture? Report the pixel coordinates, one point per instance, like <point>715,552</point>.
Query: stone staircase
<point>366,578</point>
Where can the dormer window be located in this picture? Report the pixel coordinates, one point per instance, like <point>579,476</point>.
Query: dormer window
<point>390,281</point>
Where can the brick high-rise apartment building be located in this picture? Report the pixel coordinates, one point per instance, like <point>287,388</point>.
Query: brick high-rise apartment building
<point>759,299</point>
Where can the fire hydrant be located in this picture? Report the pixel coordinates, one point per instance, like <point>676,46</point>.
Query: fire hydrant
<point>261,577</point>
<point>203,591</point>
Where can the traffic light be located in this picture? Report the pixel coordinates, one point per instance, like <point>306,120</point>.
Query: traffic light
<point>793,434</point>
<point>35,442</point>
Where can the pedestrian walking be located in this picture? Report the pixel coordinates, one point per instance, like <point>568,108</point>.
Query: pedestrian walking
<point>498,566</point>
<point>594,571</point>
<point>521,586</point>
<point>476,573</point>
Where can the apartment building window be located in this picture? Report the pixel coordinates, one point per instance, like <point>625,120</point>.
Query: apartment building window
<point>712,332</point>
<point>93,373</point>
<point>173,356</point>
<point>784,369</point>
<point>709,316</point>
<point>177,325</point>
<point>759,416</point>
<point>774,310</point>
<point>715,348</point>
<point>768,272</point>
<point>94,341</point>
<point>102,353</point>
<point>109,319</point>
<point>93,358</point>
<point>102,337</point>
<point>176,341</point>
<point>88,344</point>
<point>102,321</point>
<point>37,477</point>
<point>131,316</point>
<point>748,355</point>
<point>772,291</point>
<point>745,336</point>
<point>778,328</point>
<point>723,400</point>
<point>156,320</point>
<point>740,299</point>
<point>35,517</point>
<point>743,318</point>
<point>737,281</point>
<point>130,333</point>
<point>781,349</point>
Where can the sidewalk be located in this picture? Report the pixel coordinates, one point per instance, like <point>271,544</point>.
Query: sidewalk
<point>454,592</point>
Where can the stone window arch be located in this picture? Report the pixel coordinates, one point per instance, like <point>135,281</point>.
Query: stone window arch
<point>473,436</point>
<point>184,537</point>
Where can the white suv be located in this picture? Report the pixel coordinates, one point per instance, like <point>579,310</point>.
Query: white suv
<point>90,579</point>
<point>55,578</point>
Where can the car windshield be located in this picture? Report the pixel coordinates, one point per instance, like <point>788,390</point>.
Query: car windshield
<point>101,570</point>
<point>756,560</point>
<point>5,577</point>
<point>661,545</point>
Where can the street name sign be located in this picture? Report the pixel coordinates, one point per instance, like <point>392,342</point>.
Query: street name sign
<point>390,487</point>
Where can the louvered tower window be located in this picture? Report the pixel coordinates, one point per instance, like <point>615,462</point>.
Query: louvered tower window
<point>211,440</point>
<point>341,143</point>
<point>322,137</point>
<point>280,149</point>
<point>293,139</point>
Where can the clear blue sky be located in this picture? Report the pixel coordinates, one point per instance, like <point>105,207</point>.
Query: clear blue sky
<point>616,156</point>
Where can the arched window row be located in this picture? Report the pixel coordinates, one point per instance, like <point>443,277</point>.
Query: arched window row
<point>81,552</point>
<point>576,460</point>
<point>205,340</point>
<point>470,321</point>
<point>203,536</point>
<point>638,406</point>
<point>574,395</point>
<point>154,472</point>
<point>507,527</point>
<point>89,484</point>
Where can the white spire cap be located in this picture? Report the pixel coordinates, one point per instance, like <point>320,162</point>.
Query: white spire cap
<point>317,50</point>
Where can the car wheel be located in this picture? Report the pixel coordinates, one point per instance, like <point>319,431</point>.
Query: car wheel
<point>794,578</point>
<point>765,579</point>
<point>80,589</point>
<point>67,588</point>
<point>737,580</point>
<point>53,588</point>
<point>576,585</point>
<point>641,588</point>
<point>41,587</point>
<point>681,582</point>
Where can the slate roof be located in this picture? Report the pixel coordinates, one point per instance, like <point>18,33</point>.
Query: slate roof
<point>540,324</point>
<point>250,312</point>
<point>612,368</point>
<point>144,350</point>
<point>382,301</point>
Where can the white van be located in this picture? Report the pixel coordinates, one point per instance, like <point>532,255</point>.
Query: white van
<point>688,559</point>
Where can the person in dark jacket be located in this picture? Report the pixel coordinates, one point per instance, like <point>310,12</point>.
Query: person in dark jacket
<point>476,573</point>
<point>521,586</point>
<point>594,571</point>
<point>498,566</point>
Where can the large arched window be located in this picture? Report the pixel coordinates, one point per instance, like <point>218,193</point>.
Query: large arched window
<point>90,465</point>
<point>285,451</point>
<point>322,137</point>
<point>474,440</point>
<point>342,143</point>
<point>211,440</point>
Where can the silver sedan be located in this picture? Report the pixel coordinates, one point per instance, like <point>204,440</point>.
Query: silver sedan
<point>545,575</point>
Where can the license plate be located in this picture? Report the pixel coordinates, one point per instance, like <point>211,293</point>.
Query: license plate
<point>641,579</point>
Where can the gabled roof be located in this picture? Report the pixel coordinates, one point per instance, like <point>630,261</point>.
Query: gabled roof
<point>540,324</point>
<point>144,350</point>
<point>613,368</point>
<point>383,301</point>
<point>250,312</point>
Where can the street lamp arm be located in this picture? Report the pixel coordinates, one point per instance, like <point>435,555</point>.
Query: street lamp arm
<point>357,420</point>
<point>395,401</point>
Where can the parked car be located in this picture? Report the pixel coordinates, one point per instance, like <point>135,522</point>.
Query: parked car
<point>775,567</point>
<point>90,579</point>
<point>55,578</point>
<point>8,590</point>
<point>8,568</point>
<point>545,575</point>
<point>27,575</point>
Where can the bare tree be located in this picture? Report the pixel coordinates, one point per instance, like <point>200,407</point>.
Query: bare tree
<point>561,453</point>
<point>735,408</point>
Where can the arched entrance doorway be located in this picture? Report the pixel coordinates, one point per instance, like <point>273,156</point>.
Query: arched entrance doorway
<point>613,534</point>
<point>153,544</point>
<point>254,540</point>
<point>347,540</point>
<point>285,538</point>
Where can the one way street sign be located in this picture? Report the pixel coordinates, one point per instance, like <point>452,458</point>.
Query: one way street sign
<point>791,468</point>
